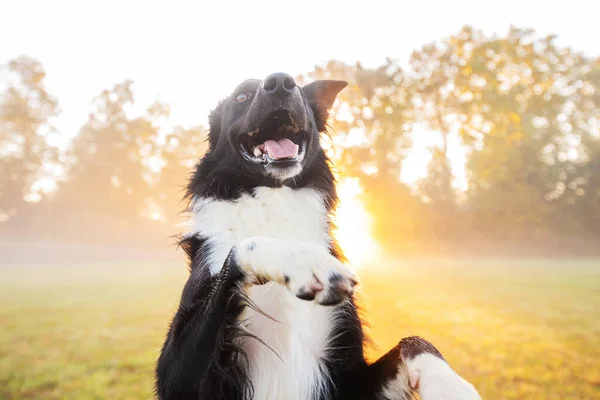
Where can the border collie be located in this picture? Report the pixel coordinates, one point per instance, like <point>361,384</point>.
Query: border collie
<point>268,310</point>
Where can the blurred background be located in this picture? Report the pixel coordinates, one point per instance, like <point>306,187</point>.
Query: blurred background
<point>467,149</point>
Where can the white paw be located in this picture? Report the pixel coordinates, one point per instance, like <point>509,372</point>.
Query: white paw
<point>307,269</point>
<point>317,275</point>
<point>434,379</point>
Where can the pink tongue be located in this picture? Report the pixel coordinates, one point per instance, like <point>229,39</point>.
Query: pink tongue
<point>284,148</point>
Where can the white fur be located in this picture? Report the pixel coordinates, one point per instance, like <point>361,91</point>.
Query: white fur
<point>290,368</point>
<point>280,213</point>
<point>433,378</point>
<point>284,173</point>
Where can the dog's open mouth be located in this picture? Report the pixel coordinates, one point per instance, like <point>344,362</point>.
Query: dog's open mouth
<point>276,140</point>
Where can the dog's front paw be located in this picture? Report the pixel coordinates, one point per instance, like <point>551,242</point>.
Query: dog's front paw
<point>431,375</point>
<point>307,269</point>
<point>319,276</point>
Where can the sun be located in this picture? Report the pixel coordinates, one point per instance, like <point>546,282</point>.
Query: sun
<point>353,224</point>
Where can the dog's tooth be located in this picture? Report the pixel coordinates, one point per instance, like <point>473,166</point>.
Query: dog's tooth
<point>257,152</point>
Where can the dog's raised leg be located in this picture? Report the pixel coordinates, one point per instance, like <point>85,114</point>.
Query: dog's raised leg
<point>421,368</point>
<point>200,336</point>
<point>200,358</point>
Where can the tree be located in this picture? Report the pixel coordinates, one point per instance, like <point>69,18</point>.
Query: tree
<point>181,150</point>
<point>525,108</point>
<point>437,105</point>
<point>529,127</point>
<point>111,162</point>
<point>580,202</point>
<point>26,113</point>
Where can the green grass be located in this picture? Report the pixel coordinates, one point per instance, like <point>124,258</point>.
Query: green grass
<point>516,329</point>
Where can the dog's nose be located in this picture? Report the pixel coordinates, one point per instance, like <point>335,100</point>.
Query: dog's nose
<point>279,84</point>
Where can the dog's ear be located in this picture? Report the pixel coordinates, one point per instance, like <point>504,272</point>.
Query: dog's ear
<point>214,122</point>
<point>321,95</point>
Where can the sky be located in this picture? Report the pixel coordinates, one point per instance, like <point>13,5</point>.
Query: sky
<point>190,54</point>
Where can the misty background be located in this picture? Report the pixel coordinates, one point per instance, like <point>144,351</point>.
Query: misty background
<point>477,144</point>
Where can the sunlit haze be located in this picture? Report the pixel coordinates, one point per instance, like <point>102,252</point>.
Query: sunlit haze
<point>353,224</point>
<point>192,54</point>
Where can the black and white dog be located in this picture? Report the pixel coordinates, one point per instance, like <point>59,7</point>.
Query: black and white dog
<point>268,310</point>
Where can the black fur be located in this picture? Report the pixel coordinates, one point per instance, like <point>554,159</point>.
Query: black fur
<point>202,357</point>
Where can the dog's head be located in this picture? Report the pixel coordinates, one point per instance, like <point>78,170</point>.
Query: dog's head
<point>270,129</point>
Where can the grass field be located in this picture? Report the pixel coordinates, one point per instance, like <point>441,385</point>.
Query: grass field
<point>516,329</point>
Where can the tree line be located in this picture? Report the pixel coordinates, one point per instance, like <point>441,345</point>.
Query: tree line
<point>525,110</point>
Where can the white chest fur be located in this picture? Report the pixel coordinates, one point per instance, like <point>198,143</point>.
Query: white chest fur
<point>288,368</point>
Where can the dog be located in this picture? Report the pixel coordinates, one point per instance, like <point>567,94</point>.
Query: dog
<point>268,311</point>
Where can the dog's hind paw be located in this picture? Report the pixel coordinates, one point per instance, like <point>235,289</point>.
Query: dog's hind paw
<point>430,375</point>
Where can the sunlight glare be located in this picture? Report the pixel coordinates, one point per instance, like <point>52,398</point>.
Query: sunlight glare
<point>353,224</point>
